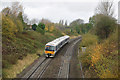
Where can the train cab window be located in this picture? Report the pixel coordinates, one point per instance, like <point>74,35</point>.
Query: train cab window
<point>49,48</point>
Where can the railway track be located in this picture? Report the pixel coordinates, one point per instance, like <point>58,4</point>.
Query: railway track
<point>65,63</point>
<point>38,70</point>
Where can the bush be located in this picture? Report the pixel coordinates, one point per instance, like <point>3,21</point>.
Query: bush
<point>104,25</point>
<point>88,39</point>
<point>38,29</point>
<point>41,25</point>
<point>34,26</point>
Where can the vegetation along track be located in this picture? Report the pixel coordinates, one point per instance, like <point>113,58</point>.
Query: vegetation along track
<point>40,68</point>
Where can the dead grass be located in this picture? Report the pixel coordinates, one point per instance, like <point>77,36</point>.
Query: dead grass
<point>21,64</point>
<point>71,37</point>
<point>40,52</point>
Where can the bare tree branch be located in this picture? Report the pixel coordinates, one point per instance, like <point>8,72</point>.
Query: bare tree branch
<point>105,7</point>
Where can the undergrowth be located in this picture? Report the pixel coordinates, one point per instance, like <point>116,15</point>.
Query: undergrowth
<point>100,59</point>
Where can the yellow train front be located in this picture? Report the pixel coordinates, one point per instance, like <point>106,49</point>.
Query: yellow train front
<point>50,51</point>
<point>52,47</point>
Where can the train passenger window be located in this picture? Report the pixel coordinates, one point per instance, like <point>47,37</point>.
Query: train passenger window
<point>56,48</point>
<point>58,45</point>
<point>66,40</point>
<point>61,43</point>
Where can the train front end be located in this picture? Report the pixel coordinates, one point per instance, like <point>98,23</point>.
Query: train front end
<point>49,51</point>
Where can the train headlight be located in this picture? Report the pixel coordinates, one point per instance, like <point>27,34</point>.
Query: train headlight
<point>53,52</point>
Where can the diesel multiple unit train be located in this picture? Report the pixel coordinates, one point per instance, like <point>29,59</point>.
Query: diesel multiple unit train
<point>52,47</point>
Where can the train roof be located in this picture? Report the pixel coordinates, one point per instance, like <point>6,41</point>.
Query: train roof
<point>57,41</point>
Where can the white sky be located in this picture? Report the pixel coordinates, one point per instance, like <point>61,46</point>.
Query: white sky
<point>56,10</point>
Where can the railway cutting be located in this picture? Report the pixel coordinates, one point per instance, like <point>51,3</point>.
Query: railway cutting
<point>57,67</point>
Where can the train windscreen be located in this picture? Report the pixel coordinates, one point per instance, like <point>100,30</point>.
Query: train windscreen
<point>49,48</point>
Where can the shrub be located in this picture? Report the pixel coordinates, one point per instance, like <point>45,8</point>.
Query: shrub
<point>104,25</point>
<point>38,29</point>
<point>34,26</point>
<point>89,39</point>
<point>41,25</point>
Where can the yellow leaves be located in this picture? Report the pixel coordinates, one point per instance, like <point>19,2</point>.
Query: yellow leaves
<point>49,27</point>
<point>8,27</point>
<point>95,53</point>
<point>107,74</point>
<point>95,57</point>
<point>101,61</point>
<point>103,57</point>
<point>46,28</point>
<point>19,25</point>
<point>92,64</point>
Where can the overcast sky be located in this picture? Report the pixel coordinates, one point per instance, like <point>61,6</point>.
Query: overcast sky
<point>56,10</point>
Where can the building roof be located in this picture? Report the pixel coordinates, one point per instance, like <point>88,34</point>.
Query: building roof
<point>57,41</point>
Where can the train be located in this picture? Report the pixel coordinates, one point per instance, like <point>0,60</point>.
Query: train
<point>51,48</point>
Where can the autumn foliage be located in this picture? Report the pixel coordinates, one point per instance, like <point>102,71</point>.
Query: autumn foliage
<point>102,58</point>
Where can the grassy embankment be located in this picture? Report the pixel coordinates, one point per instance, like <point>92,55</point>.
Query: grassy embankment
<point>22,50</point>
<point>101,57</point>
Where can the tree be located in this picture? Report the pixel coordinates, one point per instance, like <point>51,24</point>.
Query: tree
<point>8,27</point>
<point>66,23</point>
<point>62,22</point>
<point>16,8</point>
<point>78,29</point>
<point>25,18</point>
<point>38,29</point>
<point>33,21</point>
<point>77,22</point>
<point>77,25</point>
<point>104,25</point>
<point>6,11</point>
<point>41,25</point>
<point>34,26</point>
<point>41,28</point>
<point>92,21</point>
<point>106,8</point>
<point>45,21</point>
